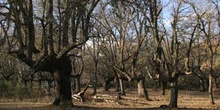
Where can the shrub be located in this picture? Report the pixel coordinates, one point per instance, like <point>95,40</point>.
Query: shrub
<point>11,89</point>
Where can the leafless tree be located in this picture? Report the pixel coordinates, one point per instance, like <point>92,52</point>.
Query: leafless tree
<point>211,39</point>
<point>56,62</point>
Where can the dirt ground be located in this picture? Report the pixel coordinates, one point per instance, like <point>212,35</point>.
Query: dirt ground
<point>106,100</point>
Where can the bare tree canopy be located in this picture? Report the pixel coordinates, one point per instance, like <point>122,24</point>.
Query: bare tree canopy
<point>135,43</point>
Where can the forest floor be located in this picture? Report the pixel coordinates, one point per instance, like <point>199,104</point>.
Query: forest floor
<point>106,100</point>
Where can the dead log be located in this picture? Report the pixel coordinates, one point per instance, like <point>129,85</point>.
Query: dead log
<point>80,95</point>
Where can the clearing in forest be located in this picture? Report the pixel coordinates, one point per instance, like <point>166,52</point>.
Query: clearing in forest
<point>108,100</point>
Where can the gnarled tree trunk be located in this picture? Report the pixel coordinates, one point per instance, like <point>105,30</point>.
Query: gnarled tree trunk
<point>107,83</point>
<point>63,72</point>
<point>60,68</point>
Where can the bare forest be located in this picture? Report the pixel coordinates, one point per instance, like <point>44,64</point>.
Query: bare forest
<point>109,54</point>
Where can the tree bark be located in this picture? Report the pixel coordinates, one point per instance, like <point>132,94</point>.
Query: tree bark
<point>31,31</point>
<point>106,86</point>
<point>94,75</point>
<point>122,89</point>
<point>117,84</point>
<point>50,26</point>
<point>174,92</point>
<point>78,84</point>
<point>211,78</point>
<point>107,83</point>
<point>62,80</point>
<point>211,98</point>
<point>66,20</point>
<point>142,92</point>
<point>58,63</point>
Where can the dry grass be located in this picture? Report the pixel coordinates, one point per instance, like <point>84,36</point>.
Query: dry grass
<point>106,100</point>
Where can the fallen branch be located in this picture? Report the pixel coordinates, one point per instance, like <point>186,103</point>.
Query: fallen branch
<point>80,95</point>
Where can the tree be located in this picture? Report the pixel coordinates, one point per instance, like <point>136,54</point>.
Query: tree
<point>171,58</point>
<point>123,41</point>
<point>206,20</point>
<point>77,68</point>
<point>156,30</point>
<point>56,62</point>
<point>94,52</point>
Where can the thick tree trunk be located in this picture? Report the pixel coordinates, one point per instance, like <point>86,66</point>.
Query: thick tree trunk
<point>31,31</point>
<point>122,89</point>
<point>117,85</point>
<point>63,88</point>
<point>107,83</point>
<point>174,92</point>
<point>142,92</point>
<point>57,85</point>
<point>61,69</point>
